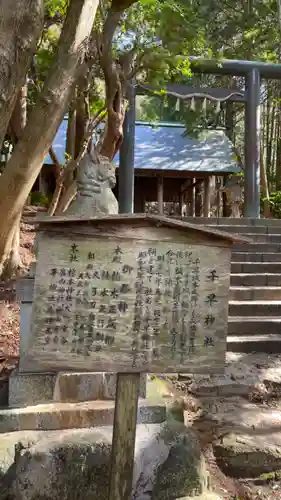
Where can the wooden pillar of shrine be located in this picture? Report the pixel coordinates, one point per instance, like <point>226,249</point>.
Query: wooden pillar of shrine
<point>207,197</point>
<point>160,195</point>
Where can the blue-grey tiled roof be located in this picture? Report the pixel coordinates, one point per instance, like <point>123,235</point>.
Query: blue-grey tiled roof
<point>166,148</point>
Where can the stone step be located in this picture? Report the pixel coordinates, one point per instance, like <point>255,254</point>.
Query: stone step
<point>255,257</point>
<point>259,325</point>
<point>227,221</point>
<point>263,238</point>
<point>256,267</point>
<point>56,416</point>
<point>255,308</point>
<point>255,293</point>
<point>258,279</point>
<point>27,389</point>
<point>243,229</point>
<point>268,343</point>
<point>257,247</point>
<point>253,230</point>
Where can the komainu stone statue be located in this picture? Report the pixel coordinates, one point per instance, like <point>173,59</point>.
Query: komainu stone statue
<point>95,180</point>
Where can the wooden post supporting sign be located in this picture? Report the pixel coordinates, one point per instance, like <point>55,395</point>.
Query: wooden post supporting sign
<point>124,435</point>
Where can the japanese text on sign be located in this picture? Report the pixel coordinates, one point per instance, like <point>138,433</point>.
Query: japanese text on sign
<point>148,306</point>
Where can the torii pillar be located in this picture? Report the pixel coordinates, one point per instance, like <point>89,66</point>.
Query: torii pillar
<point>252,145</point>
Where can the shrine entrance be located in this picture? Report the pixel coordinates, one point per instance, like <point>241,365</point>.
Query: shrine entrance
<point>252,72</point>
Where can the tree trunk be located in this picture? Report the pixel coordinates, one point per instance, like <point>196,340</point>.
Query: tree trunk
<point>29,154</point>
<point>70,143</point>
<point>82,114</point>
<point>13,262</point>
<point>264,187</point>
<point>113,137</point>
<point>18,121</point>
<point>19,116</point>
<point>273,141</point>
<point>71,132</point>
<point>21,22</point>
<point>66,198</point>
<point>114,134</point>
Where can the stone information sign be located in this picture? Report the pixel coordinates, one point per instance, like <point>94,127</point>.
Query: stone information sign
<point>129,305</point>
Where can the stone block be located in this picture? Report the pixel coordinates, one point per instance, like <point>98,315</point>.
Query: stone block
<point>30,388</point>
<point>25,289</point>
<point>244,455</point>
<point>89,386</point>
<point>150,412</point>
<point>25,323</point>
<point>76,464</point>
<point>55,416</point>
<point>27,389</point>
<point>71,387</point>
<point>4,393</point>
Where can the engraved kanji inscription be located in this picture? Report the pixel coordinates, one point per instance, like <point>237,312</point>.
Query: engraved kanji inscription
<point>147,306</point>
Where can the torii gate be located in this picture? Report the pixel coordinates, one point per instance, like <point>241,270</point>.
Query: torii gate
<point>253,72</point>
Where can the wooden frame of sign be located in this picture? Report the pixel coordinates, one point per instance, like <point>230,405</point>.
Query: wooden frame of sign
<point>129,294</point>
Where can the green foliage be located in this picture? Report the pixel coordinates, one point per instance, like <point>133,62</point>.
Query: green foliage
<point>240,29</point>
<point>271,476</point>
<point>55,14</point>
<point>54,7</point>
<point>160,33</point>
<point>275,204</point>
<point>158,36</point>
<point>236,29</point>
<point>38,199</point>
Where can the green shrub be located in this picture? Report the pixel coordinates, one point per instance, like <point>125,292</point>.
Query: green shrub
<point>275,204</point>
<point>38,199</point>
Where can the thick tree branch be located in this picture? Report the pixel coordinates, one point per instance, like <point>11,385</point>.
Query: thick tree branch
<point>21,23</point>
<point>28,156</point>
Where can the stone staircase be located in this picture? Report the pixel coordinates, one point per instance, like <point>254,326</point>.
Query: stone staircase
<point>255,284</point>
